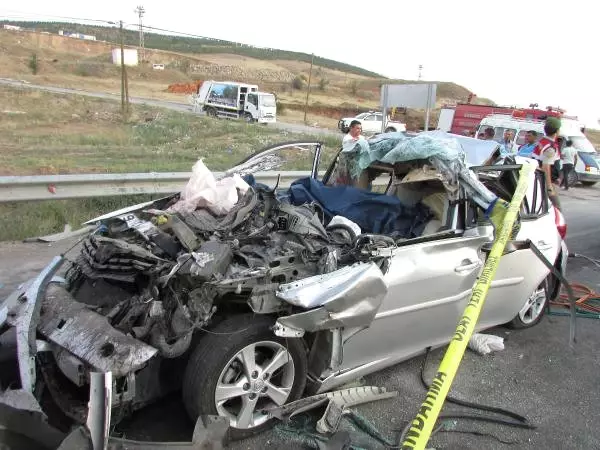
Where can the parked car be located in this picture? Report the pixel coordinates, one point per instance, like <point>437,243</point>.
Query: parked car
<point>371,123</point>
<point>252,308</point>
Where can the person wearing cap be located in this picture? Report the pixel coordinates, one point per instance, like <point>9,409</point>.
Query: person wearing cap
<point>546,152</point>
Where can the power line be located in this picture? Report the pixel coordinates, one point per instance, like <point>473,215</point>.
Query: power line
<point>179,32</point>
<point>25,14</point>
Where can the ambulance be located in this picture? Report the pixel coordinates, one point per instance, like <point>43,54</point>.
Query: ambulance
<point>587,169</point>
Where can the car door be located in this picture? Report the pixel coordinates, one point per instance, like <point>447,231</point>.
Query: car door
<point>369,124</point>
<point>429,284</point>
<point>520,272</point>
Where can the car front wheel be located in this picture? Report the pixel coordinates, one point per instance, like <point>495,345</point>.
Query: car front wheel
<point>242,369</point>
<point>533,310</point>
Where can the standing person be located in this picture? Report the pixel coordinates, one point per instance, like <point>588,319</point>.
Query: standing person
<point>546,152</point>
<point>527,148</point>
<point>568,157</point>
<point>353,135</point>
<point>507,144</point>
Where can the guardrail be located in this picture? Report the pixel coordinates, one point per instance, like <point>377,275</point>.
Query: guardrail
<point>59,187</point>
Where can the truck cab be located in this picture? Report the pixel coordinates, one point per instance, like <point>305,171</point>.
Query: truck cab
<point>233,100</point>
<point>260,107</point>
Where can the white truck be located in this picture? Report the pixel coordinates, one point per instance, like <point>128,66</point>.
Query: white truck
<point>232,100</point>
<point>371,123</point>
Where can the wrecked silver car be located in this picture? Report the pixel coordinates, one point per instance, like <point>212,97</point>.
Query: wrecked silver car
<point>246,296</point>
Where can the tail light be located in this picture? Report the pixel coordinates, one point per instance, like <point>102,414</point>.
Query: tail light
<point>561,223</point>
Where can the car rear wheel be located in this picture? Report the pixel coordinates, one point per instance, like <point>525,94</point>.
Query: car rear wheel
<point>242,370</point>
<point>390,130</point>
<point>588,183</point>
<point>533,310</point>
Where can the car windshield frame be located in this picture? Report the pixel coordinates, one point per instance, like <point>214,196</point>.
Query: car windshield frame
<point>268,159</point>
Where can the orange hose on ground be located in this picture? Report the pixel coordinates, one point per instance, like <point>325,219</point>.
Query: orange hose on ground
<point>583,294</point>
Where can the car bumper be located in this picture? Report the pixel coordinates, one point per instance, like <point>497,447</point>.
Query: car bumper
<point>588,176</point>
<point>46,317</point>
<point>267,120</point>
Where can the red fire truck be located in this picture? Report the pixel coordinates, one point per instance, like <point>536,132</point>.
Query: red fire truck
<point>464,118</point>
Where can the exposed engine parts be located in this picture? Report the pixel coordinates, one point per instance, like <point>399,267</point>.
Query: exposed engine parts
<point>159,276</point>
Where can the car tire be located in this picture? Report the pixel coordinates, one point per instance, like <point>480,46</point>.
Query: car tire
<point>533,310</point>
<point>390,130</point>
<point>588,183</point>
<point>573,178</point>
<point>219,359</point>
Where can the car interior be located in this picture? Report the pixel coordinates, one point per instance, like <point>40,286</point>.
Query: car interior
<point>412,183</point>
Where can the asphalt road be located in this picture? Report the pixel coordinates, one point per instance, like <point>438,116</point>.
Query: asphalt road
<point>179,107</point>
<point>537,375</point>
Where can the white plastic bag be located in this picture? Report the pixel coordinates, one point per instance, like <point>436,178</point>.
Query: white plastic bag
<point>341,220</point>
<point>203,191</point>
<point>486,343</point>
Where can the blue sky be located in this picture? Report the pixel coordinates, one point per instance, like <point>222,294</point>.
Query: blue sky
<point>514,52</point>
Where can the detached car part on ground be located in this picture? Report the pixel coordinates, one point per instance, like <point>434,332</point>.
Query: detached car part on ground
<point>285,293</point>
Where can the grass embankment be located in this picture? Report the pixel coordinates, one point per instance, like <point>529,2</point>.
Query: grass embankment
<point>45,133</point>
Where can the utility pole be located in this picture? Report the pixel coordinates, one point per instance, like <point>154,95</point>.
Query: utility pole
<point>312,60</point>
<point>140,11</point>
<point>124,84</point>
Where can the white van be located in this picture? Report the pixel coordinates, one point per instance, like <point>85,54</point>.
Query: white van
<point>587,169</point>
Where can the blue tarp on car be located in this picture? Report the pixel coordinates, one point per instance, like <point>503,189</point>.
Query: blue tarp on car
<point>373,212</point>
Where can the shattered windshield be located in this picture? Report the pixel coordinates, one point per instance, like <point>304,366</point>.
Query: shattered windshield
<point>293,156</point>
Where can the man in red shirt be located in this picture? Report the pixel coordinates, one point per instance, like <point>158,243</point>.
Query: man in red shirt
<point>546,152</point>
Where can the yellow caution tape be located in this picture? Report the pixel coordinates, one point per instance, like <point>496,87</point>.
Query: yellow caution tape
<point>504,219</point>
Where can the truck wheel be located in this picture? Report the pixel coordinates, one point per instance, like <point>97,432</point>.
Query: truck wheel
<point>390,130</point>
<point>211,112</point>
<point>242,370</point>
<point>248,118</point>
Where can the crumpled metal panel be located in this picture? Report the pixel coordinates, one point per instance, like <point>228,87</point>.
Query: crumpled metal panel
<point>318,290</point>
<point>349,297</point>
<point>88,335</point>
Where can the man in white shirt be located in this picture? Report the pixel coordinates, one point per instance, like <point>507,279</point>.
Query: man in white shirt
<point>353,135</point>
<point>568,156</point>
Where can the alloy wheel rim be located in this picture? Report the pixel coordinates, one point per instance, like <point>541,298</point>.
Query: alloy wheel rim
<point>259,376</point>
<point>534,307</point>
